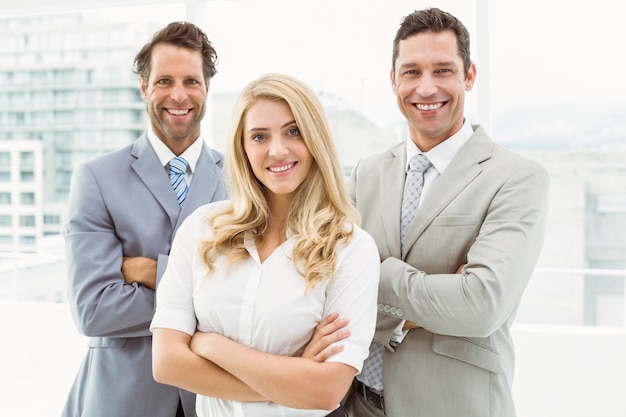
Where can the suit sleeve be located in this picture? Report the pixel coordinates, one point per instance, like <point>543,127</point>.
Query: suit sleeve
<point>385,325</point>
<point>102,303</point>
<point>500,263</point>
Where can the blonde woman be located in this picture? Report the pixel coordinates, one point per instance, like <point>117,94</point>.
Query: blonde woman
<point>249,279</point>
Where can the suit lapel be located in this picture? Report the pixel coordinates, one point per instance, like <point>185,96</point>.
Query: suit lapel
<point>391,189</point>
<point>149,169</point>
<point>463,169</point>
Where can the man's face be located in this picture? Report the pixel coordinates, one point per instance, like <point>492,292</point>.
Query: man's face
<point>430,85</point>
<point>175,95</point>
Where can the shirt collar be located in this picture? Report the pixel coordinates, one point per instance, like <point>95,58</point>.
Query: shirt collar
<point>441,155</point>
<point>191,154</point>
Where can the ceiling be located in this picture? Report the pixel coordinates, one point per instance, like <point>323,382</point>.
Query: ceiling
<point>23,6</point>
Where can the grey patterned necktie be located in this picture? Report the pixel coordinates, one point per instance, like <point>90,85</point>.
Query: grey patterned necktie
<point>178,168</point>
<point>412,192</point>
<point>373,366</point>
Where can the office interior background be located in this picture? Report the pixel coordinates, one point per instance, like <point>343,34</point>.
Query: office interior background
<point>549,86</point>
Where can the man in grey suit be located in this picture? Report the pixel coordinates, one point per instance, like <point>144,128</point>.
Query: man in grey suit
<point>123,213</point>
<point>452,279</point>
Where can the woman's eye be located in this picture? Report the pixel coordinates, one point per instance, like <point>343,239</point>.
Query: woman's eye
<point>294,131</point>
<point>258,137</point>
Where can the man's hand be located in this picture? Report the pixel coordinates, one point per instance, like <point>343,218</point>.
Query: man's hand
<point>409,325</point>
<point>328,331</point>
<point>140,270</point>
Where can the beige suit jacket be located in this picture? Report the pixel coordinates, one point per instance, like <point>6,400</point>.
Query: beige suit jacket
<point>486,210</point>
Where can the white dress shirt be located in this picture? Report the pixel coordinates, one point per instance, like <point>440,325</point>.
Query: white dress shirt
<point>265,305</point>
<point>440,156</point>
<point>165,154</point>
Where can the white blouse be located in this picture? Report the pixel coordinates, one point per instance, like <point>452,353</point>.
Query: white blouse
<point>264,305</point>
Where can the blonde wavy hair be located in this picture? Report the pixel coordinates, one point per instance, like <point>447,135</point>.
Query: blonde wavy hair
<point>321,214</point>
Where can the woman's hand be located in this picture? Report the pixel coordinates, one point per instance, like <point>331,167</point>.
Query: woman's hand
<point>328,331</point>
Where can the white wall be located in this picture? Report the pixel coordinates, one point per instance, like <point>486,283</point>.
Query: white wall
<point>562,371</point>
<point>39,356</point>
<point>570,371</point>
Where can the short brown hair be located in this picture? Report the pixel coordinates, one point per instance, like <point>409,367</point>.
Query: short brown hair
<point>184,35</point>
<point>433,20</point>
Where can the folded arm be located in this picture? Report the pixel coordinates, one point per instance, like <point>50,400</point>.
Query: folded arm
<point>174,363</point>
<point>177,362</point>
<point>500,262</point>
<point>291,381</point>
<point>140,270</point>
<point>102,302</point>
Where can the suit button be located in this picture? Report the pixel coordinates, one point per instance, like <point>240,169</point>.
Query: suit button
<point>394,311</point>
<point>381,307</point>
<point>399,312</point>
<point>387,309</point>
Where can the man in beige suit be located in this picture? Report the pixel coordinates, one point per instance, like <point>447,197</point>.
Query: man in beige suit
<point>450,287</point>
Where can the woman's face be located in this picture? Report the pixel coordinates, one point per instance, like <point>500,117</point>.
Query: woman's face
<point>275,148</point>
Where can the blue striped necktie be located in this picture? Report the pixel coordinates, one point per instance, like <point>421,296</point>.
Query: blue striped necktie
<point>178,168</point>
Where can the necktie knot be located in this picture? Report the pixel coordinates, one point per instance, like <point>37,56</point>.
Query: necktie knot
<point>419,163</point>
<point>178,169</point>
<point>178,166</point>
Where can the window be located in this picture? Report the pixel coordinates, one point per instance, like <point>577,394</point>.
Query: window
<point>27,176</point>
<point>42,77</point>
<point>5,161</point>
<point>17,119</point>
<point>63,97</point>
<point>27,221</point>
<point>5,199</point>
<point>27,160</point>
<point>64,160</point>
<point>64,180</point>
<point>64,139</point>
<point>52,219</point>
<point>27,199</point>
<point>28,240</point>
<point>19,98</point>
<point>43,98</point>
<point>6,220</point>
<point>63,117</point>
<point>40,118</point>
<point>63,77</point>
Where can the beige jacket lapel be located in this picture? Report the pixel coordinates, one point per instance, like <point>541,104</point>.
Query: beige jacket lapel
<point>393,169</point>
<point>464,168</point>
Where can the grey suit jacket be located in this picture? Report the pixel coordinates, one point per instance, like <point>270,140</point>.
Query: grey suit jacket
<point>488,210</point>
<point>121,204</point>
